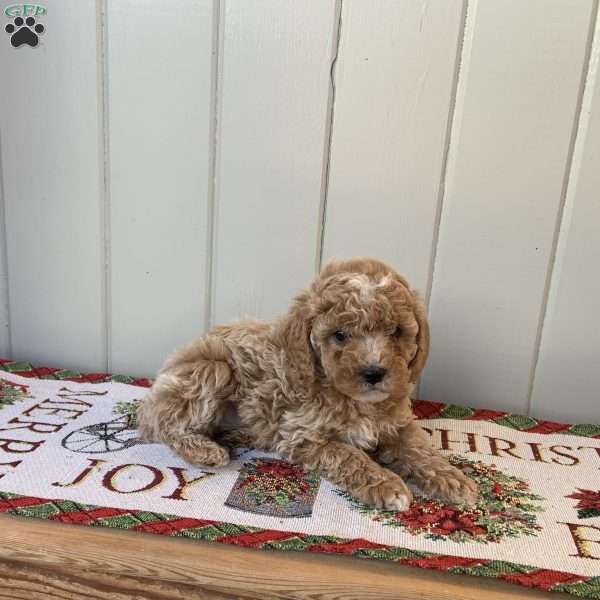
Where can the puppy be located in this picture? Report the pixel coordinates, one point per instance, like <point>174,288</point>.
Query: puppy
<point>327,386</point>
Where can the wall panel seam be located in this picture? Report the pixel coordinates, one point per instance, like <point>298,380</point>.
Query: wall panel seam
<point>211,222</point>
<point>451,127</point>
<point>463,50</point>
<point>6,295</point>
<point>104,159</point>
<point>215,151</point>
<point>328,138</point>
<point>571,174</point>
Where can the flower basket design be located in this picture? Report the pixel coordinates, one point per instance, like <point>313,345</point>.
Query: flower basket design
<point>589,503</point>
<point>274,487</point>
<point>506,508</point>
<point>11,392</point>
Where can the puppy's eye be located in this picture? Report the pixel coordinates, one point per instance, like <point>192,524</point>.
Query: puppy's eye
<point>340,337</point>
<point>397,332</point>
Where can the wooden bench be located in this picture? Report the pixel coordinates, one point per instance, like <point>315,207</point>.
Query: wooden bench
<point>52,561</point>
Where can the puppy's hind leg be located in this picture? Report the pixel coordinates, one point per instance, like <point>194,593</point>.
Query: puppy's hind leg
<point>188,400</point>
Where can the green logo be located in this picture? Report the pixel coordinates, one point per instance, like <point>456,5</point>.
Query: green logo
<point>25,10</point>
<point>25,29</point>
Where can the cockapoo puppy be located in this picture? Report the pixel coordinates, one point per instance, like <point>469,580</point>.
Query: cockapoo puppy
<point>327,386</point>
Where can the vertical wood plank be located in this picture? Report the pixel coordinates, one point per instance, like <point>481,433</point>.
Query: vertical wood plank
<point>159,73</point>
<point>568,372</point>
<point>51,144</point>
<point>518,95</point>
<point>394,83</point>
<point>273,114</point>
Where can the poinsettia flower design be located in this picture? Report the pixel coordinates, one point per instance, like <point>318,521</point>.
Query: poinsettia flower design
<point>428,513</point>
<point>279,468</point>
<point>589,503</point>
<point>464,522</point>
<point>587,498</point>
<point>439,519</point>
<point>506,507</point>
<point>269,480</point>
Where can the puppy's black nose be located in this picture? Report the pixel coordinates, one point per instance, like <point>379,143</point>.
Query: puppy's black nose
<point>373,375</point>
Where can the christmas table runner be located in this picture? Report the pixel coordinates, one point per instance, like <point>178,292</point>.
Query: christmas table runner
<point>69,452</point>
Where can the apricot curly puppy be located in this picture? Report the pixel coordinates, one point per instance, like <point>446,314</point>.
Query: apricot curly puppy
<point>327,386</point>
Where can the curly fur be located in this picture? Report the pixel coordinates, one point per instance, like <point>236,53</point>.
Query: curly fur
<point>300,387</point>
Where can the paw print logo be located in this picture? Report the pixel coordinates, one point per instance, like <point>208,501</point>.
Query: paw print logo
<point>24,31</point>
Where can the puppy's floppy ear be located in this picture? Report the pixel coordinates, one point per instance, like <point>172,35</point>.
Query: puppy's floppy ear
<point>418,362</point>
<point>295,331</point>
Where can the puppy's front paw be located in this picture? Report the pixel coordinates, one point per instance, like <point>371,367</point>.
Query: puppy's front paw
<point>198,450</point>
<point>390,494</point>
<point>456,487</point>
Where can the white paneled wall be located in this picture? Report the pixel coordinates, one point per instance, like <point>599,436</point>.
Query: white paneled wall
<point>158,98</point>
<point>273,113</point>
<point>395,81</point>
<point>167,166</point>
<point>516,110</point>
<point>567,378</point>
<point>52,183</point>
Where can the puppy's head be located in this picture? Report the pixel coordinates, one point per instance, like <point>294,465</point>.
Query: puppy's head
<point>366,329</point>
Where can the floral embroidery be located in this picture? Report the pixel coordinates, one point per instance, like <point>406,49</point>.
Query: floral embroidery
<point>505,508</point>
<point>11,392</point>
<point>274,487</point>
<point>129,408</point>
<point>589,503</point>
